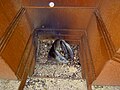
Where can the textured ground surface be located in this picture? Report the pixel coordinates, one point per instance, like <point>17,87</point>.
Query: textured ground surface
<point>58,71</point>
<point>9,84</point>
<point>55,76</point>
<point>55,84</point>
<point>55,70</point>
<point>105,87</point>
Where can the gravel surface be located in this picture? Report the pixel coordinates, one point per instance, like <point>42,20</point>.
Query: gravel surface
<point>9,84</point>
<point>56,69</point>
<point>55,75</point>
<point>105,87</point>
<point>54,84</point>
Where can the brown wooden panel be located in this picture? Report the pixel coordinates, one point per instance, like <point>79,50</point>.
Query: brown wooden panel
<point>4,23</point>
<point>5,70</point>
<point>8,10</point>
<point>60,18</point>
<point>97,46</point>
<point>15,47</point>
<point>110,75</point>
<point>25,57</point>
<point>32,67</point>
<point>66,3</point>
<point>110,12</point>
<point>23,81</point>
<point>27,69</point>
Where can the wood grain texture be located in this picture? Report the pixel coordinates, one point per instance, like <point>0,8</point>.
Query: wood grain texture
<point>109,75</point>
<point>106,69</point>
<point>8,10</point>
<point>61,3</point>
<point>60,18</point>
<point>97,46</point>
<point>25,57</point>
<point>105,35</point>
<point>110,12</point>
<point>5,70</point>
<point>86,61</point>
<point>28,68</point>
<point>13,51</point>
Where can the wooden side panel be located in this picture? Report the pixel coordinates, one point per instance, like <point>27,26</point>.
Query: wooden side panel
<point>25,57</point>
<point>8,10</point>
<point>28,68</point>
<point>60,18</point>
<point>110,75</point>
<point>4,23</point>
<point>110,12</point>
<point>5,71</point>
<point>15,47</point>
<point>97,47</point>
<point>65,3</point>
<point>32,67</point>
